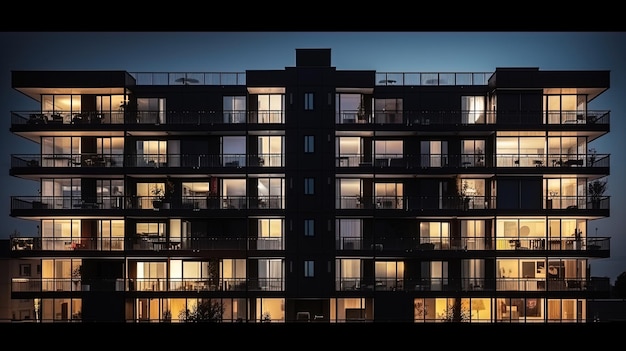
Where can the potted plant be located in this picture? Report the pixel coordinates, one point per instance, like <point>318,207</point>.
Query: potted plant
<point>158,196</point>
<point>168,193</point>
<point>77,274</point>
<point>592,156</point>
<point>595,190</point>
<point>481,157</point>
<point>167,316</point>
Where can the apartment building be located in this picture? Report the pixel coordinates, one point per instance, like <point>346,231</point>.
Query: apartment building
<point>312,194</point>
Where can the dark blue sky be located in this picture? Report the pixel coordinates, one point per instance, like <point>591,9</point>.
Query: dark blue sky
<point>380,51</point>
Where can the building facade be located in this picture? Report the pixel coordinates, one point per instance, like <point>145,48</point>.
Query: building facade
<point>312,194</point>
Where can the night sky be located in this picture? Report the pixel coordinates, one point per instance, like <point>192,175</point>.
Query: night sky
<point>380,51</point>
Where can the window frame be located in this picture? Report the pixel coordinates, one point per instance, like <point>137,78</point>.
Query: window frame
<point>309,144</point>
<point>309,269</point>
<point>309,101</point>
<point>309,227</point>
<point>309,186</point>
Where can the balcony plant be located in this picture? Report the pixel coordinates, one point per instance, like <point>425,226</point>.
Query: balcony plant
<point>592,156</point>
<point>162,195</point>
<point>158,196</point>
<point>168,193</point>
<point>481,157</point>
<point>77,275</point>
<point>167,316</point>
<point>206,310</point>
<point>595,191</point>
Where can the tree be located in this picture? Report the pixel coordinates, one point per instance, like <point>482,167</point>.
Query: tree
<point>204,311</point>
<point>596,189</point>
<point>456,312</point>
<point>620,286</point>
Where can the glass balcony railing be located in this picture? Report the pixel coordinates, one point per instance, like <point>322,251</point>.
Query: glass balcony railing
<point>466,284</point>
<point>146,243</point>
<point>61,160</point>
<point>405,243</point>
<point>425,118</point>
<point>94,120</point>
<point>422,118</point>
<point>471,160</point>
<point>194,284</point>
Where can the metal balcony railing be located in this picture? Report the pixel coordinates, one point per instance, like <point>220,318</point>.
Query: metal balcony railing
<point>142,242</point>
<point>425,118</point>
<point>465,284</point>
<point>392,243</point>
<point>195,161</point>
<point>195,202</point>
<point>53,120</point>
<point>422,118</point>
<point>471,160</point>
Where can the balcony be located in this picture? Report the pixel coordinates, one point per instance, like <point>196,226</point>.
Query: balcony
<point>56,205</point>
<point>92,120</point>
<point>141,243</point>
<point>392,244</point>
<point>424,119</point>
<point>467,284</point>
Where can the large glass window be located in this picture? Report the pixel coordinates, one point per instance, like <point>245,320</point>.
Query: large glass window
<point>151,110</point>
<point>567,193</point>
<point>234,109</point>
<point>388,110</point>
<point>348,274</point>
<point>110,193</point>
<point>352,108</point>
<point>388,152</point>
<point>349,234</point>
<point>61,108</point>
<point>348,152</point>
<point>61,193</point>
<point>59,234</point>
<point>270,234</point>
<point>271,273</point>
<point>389,275</point>
<point>271,150</point>
<point>436,234</point>
<point>473,234</point>
<point>434,153</point>
<point>473,109</point>
<point>149,192</point>
<point>151,153</point>
<point>233,151</point>
<point>389,195</point>
<point>349,194</point>
<point>271,192</point>
<point>521,151</point>
<point>111,108</point>
<point>270,108</point>
<point>565,109</point>
<point>473,192</point>
<point>473,153</point>
<point>195,194</point>
<point>233,192</point>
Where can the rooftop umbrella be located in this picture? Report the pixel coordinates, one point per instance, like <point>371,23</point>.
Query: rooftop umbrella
<point>186,80</point>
